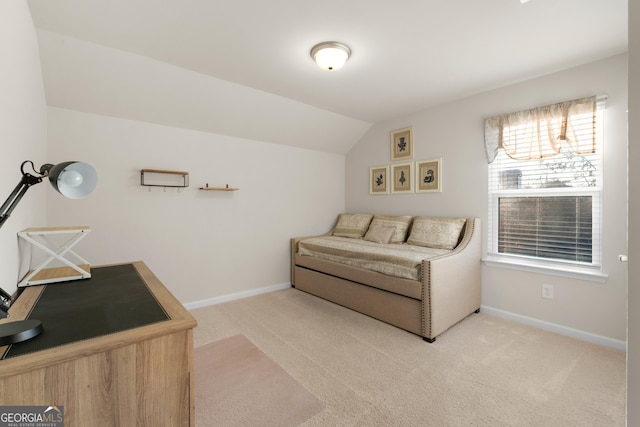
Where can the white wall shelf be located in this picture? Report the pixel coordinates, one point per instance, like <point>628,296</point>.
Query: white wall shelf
<point>226,188</point>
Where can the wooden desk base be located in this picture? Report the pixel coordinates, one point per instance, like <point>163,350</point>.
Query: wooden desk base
<point>138,377</point>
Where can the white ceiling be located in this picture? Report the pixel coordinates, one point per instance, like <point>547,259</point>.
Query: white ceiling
<point>407,55</point>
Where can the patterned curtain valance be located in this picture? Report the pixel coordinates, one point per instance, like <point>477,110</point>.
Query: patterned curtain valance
<point>539,132</point>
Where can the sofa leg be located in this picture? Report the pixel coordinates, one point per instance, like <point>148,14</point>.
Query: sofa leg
<point>429,340</point>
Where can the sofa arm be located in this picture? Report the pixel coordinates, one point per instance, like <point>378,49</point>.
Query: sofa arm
<point>294,250</point>
<point>452,283</point>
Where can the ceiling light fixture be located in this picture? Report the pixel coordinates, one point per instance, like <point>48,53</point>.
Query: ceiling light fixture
<point>330,56</point>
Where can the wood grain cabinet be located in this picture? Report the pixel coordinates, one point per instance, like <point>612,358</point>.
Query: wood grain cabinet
<point>131,375</point>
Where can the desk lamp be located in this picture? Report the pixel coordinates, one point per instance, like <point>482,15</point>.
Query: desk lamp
<point>71,179</point>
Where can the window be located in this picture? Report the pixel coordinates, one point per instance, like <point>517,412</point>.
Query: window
<point>545,185</point>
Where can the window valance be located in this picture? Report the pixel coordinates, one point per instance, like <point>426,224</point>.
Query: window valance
<point>540,132</point>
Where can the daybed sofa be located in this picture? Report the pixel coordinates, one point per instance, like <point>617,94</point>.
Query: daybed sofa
<point>421,274</point>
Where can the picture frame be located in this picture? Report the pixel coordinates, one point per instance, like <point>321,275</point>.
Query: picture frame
<point>379,180</point>
<point>402,178</point>
<point>429,176</point>
<point>402,144</point>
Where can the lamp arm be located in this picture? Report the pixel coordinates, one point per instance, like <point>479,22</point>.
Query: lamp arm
<point>5,303</point>
<point>16,195</point>
<point>8,206</point>
<point>23,330</point>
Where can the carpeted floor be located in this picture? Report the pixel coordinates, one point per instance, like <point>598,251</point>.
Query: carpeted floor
<point>485,371</point>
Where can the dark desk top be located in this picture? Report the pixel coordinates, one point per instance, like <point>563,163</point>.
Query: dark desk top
<point>114,299</point>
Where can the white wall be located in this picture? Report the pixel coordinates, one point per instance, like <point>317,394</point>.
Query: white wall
<point>633,339</point>
<point>201,244</point>
<point>23,129</point>
<point>455,133</point>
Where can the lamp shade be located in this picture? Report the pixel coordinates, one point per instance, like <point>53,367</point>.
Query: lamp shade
<point>74,180</point>
<point>330,56</point>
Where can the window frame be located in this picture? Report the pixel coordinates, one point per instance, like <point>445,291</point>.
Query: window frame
<point>592,271</point>
<point>575,269</point>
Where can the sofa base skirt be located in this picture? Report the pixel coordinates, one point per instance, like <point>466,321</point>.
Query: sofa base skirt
<point>397,310</point>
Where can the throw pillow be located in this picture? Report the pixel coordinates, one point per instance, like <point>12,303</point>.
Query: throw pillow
<point>379,233</point>
<point>442,233</point>
<point>401,223</point>
<point>352,225</point>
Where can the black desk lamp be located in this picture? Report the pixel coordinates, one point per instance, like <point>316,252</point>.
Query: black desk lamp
<point>71,179</point>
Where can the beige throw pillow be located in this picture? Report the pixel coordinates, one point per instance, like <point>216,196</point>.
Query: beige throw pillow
<point>401,224</point>
<point>352,225</point>
<point>379,233</point>
<point>442,233</point>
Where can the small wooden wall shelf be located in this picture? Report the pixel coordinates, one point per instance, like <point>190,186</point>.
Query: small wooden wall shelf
<point>156,180</point>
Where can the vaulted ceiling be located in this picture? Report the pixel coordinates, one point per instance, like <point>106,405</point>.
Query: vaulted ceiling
<point>243,68</point>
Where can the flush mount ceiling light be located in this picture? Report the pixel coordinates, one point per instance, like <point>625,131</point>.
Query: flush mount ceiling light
<point>330,56</point>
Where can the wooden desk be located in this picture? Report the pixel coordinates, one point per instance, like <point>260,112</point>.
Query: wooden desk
<point>135,377</point>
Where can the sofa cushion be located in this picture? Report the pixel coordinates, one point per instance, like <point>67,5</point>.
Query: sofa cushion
<point>431,232</point>
<point>401,224</point>
<point>390,259</point>
<point>379,233</point>
<point>352,225</point>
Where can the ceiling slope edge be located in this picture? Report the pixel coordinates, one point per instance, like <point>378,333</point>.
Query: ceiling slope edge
<point>87,77</point>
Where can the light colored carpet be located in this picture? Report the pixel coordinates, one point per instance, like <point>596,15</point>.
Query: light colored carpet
<point>236,384</point>
<point>484,371</point>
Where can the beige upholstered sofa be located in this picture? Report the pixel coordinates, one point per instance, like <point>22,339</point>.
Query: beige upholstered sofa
<point>421,274</point>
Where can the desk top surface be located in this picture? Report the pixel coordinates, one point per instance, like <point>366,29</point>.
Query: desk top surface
<point>119,305</point>
<point>114,299</point>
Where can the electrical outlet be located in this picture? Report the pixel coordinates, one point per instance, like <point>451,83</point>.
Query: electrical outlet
<point>547,291</point>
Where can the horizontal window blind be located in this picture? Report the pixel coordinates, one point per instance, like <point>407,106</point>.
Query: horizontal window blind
<point>558,227</point>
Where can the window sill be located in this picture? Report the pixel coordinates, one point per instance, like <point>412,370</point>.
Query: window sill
<point>590,274</point>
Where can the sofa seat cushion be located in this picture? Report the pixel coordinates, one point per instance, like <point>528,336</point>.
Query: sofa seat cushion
<point>397,260</point>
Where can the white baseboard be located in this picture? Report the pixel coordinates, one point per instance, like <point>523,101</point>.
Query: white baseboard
<point>238,295</point>
<point>559,329</point>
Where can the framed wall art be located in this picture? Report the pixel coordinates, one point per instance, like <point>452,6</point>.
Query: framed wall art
<point>402,178</point>
<point>379,180</point>
<point>429,175</point>
<point>402,144</point>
